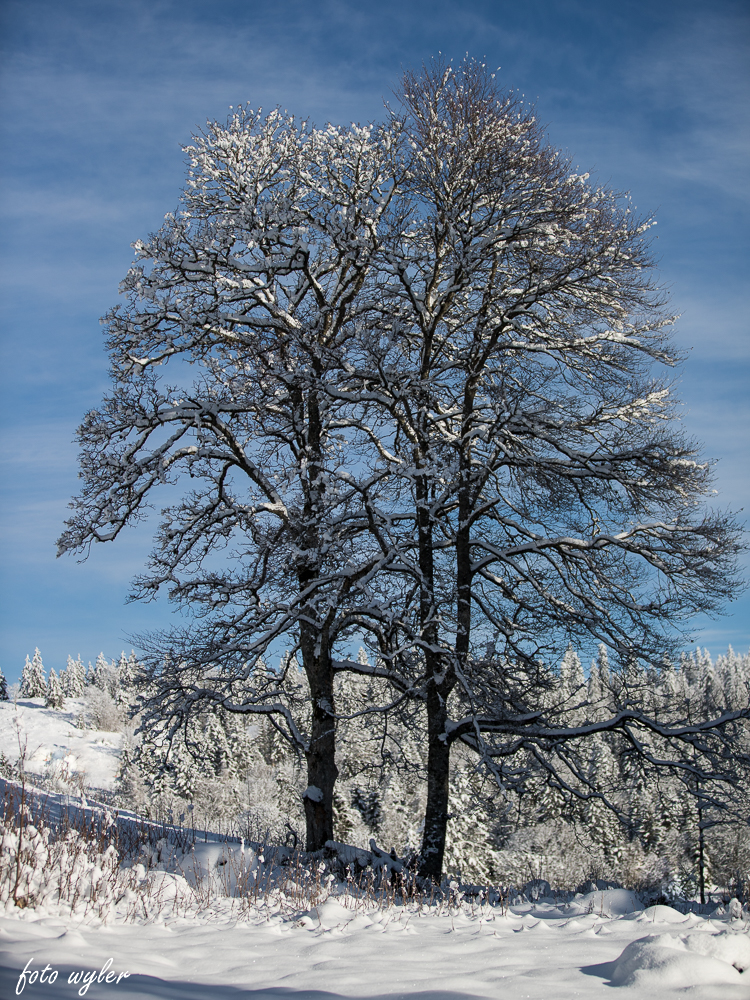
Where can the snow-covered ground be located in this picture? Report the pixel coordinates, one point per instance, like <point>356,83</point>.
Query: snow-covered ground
<point>217,947</point>
<point>336,951</point>
<point>54,743</point>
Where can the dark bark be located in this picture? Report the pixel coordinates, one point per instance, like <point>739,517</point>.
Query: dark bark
<point>438,774</point>
<point>315,646</point>
<point>441,678</point>
<point>443,673</point>
<point>321,754</point>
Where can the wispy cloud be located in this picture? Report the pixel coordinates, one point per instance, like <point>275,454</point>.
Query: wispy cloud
<point>97,100</point>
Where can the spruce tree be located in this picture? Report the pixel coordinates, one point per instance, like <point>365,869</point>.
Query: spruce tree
<point>77,677</point>
<point>33,683</point>
<point>54,697</point>
<point>131,672</point>
<point>468,849</point>
<point>572,680</point>
<point>101,676</point>
<point>3,686</point>
<point>601,823</point>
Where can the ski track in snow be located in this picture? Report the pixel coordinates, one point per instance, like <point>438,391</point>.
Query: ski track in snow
<point>536,951</point>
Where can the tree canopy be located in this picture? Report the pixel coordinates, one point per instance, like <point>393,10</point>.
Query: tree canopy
<point>406,377</point>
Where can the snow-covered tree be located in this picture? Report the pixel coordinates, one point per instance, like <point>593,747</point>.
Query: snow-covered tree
<point>426,417</point>
<point>54,695</point>
<point>259,280</point>
<point>33,682</point>
<point>599,820</point>
<point>3,686</point>
<point>552,494</point>
<point>469,850</point>
<point>572,680</point>
<point>104,676</point>
<point>73,678</point>
<point>130,671</point>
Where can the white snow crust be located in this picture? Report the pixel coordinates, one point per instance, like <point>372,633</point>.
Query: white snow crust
<point>347,948</point>
<point>691,961</point>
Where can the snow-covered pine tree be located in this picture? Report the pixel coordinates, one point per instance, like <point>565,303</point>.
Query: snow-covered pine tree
<point>600,681</point>
<point>469,851</point>
<point>33,682</point>
<point>713,693</point>
<point>594,690</point>
<point>104,675</point>
<point>54,697</point>
<point>346,819</point>
<point>74,682</point>
<point>402,797</point>
<point>367,803</point>
<point>734,671</point>
<point>3,686</point>
<point>572,680</point>
<point>667,685</point>
<point>601,823</point>
<point>130,671</point>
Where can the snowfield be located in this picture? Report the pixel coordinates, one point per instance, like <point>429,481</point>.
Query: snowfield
<point>339,951</point>
<point>193,941</point>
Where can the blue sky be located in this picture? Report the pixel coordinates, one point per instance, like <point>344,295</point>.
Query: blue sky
<point>97,98</point>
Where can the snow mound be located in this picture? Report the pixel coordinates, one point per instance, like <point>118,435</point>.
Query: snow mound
<point>664,960</point>
<point>165,887</point>
<point>662,915</point>
<point>728,946</point>
<point>332,914</point>
<point>223,869</point>
<point>609,903</point>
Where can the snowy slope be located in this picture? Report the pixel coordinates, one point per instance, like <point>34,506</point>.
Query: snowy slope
<point>54,743</point>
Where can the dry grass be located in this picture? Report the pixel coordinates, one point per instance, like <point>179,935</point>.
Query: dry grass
<point>90,867</point>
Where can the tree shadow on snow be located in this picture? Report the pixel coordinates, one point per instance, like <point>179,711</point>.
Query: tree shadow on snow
<point>151,988</point>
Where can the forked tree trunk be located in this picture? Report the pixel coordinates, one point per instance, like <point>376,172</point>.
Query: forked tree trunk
<point>444,680</point>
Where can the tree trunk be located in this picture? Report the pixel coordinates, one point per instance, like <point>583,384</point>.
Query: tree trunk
<point>321,778</point>
<point>315,642</point>
<point>321,754</point>
<point>438,774</point>
<point>440,682</point>
<point>701,857</point>
<point>444,680</point>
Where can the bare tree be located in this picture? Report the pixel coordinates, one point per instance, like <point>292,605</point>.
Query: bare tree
<point>258,283</point>
<point>552,493</point>
<point>426,418</point>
